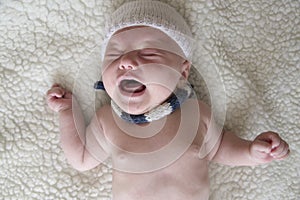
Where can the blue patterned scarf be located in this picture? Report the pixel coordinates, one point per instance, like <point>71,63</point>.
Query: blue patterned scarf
<point>182,92</point>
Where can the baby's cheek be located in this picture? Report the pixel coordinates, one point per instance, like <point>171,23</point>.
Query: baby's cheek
<point>159,93</point>
<point>109,85</point>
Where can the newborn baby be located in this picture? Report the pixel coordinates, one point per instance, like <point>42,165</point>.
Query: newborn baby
<point>159,136</point>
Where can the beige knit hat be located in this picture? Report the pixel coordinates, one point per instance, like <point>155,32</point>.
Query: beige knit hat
<point>155,14</point>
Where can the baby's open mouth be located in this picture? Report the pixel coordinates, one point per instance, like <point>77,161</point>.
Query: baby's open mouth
<point>132,86</point>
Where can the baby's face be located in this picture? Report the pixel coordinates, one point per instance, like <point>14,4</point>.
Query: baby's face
<point>141,68</point>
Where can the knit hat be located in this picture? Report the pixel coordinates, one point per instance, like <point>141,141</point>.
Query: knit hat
<point>155,14</point>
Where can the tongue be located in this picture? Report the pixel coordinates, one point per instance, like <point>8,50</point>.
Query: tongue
<point>132,86</point>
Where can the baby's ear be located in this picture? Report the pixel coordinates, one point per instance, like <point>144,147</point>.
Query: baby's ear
<point>186,66</point>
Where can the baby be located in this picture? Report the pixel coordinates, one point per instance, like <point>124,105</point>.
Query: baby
<point>159,137</point>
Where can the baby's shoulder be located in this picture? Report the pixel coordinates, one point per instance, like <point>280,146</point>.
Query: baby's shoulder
<point>204,110</point>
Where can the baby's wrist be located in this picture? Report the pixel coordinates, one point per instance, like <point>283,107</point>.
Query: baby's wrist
<point>251,156</point>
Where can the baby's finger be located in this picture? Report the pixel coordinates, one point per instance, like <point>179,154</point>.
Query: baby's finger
<point>277,149</point>
<point>56,92</point>
<point>271,137</point>
<point>59,104</point>
<point>261,146</point>
<point>260,152</point>
<point>276,140</point>
<point>281,150</point>
<point>284,156</point>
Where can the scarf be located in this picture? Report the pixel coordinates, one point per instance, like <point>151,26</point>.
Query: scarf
<point>182,92</point>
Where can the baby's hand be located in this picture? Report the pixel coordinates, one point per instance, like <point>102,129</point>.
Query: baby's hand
<point>267,147</point>
<point>59,99</point>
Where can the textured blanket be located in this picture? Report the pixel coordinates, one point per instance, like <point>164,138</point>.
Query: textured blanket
<point>253,46</point>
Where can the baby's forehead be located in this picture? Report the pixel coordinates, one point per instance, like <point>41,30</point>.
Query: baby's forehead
<point>139,37</point>
<point>139,34</point>
<point>129,28</point>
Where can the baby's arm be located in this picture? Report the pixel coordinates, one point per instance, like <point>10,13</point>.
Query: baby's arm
<point>74,133</point>
<point>266,147</point>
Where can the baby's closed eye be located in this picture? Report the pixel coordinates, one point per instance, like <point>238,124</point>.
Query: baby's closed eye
<point>149,52</point>
<point>113,51</point>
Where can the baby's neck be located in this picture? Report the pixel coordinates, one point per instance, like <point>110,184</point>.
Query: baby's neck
<point>182,92</point>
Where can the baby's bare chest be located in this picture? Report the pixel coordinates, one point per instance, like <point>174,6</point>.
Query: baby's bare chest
<point>153,146</point>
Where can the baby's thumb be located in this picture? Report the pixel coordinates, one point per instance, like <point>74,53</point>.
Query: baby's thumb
<point>262,146</point>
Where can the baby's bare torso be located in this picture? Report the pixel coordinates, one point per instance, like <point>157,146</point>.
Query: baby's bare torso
<point>186,178</point>
<point>183,176</point>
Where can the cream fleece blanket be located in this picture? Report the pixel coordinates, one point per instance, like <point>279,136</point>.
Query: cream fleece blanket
<point>254,45</point>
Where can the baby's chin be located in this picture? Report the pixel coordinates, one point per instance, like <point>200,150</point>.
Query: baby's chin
<point>143,103</point>
<point>137,109</point>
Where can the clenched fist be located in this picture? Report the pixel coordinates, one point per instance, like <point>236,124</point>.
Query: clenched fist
<point>268,146</point>
<point>59,99</point>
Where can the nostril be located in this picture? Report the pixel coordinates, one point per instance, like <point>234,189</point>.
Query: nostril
<point>126,67</point>
<point>121,67</point>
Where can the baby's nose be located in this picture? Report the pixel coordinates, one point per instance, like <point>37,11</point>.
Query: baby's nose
<point>129,61</point>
